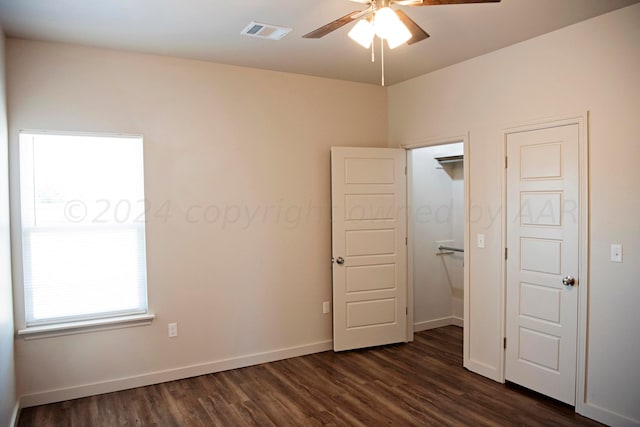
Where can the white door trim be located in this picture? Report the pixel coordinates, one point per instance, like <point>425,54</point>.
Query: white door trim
<point>581,120</point>
<point>464,138</point>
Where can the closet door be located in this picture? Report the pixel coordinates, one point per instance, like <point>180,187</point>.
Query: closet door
<point>368,246</point>
<point>543,260</point>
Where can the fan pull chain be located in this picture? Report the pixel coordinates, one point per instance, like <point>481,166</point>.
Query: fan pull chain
<point>382,58</point>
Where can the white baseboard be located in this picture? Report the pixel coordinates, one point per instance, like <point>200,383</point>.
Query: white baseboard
<point>457,321</point>
<point>605,416</point>
<point>85,390</point>
<point>437,323</point>
<point>15,416</point>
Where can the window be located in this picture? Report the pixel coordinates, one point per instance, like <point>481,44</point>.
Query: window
<point>83,227</point>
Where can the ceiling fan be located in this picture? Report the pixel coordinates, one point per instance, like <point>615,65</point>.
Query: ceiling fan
<point>378,19</point>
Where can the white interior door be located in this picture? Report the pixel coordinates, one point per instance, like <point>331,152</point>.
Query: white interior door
<point>542,242</point>
<point>368,199</point>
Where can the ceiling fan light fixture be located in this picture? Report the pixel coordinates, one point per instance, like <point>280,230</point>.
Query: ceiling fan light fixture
<point>400,35</point>
<point>384,21</point>
<point>363,33</point>
<point>389,27</point>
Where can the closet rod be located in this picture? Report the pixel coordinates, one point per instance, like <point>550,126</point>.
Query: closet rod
<point>447,248</point>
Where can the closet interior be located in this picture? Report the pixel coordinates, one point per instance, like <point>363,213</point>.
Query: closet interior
<point>436,193</point>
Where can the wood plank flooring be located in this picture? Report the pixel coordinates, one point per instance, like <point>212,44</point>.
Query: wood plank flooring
<point>417,384</point>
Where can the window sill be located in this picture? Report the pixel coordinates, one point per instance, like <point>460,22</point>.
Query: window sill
<point>84,326</point>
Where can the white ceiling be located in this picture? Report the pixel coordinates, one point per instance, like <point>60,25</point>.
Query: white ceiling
<point>210,30</point>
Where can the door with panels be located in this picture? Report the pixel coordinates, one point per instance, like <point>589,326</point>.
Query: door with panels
<point>369,251</point>
<point>543,260</point>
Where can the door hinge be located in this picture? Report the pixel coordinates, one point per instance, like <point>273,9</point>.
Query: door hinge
<point>406,241</point>
<point>406,311</point>
<point>506,162</point>
<point>505,342</point>
<point>506,253</point>
<point>405,170</point>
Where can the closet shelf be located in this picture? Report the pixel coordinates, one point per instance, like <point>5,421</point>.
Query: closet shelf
<point>448,248</point>
<point>450,159</point>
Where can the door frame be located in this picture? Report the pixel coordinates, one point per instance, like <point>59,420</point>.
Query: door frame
<point>429,142</point>
<point>581,120</point>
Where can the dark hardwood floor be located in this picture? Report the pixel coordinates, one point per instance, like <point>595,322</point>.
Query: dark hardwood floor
<point>417,384</point>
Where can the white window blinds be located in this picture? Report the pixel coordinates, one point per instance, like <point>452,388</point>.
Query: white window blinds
<point>83,227</point>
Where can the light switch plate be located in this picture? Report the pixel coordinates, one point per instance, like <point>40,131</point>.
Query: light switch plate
<point>616,252</point>
<point>172,330</point>
<point>481,240</point>
<point>325,307</point>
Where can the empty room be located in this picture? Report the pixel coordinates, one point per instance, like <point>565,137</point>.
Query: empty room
<point>345,212</point>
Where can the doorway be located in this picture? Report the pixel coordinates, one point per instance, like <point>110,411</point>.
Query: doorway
<point>372,273</point>
<point>437,188</point>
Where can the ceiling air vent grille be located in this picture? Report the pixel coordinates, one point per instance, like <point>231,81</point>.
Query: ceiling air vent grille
<point>265,31</point>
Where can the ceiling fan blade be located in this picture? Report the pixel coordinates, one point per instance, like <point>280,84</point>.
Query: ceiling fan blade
<point>407,2</point>
<point>417,33</point>
<point>438,2</point>
<point>332,26</point>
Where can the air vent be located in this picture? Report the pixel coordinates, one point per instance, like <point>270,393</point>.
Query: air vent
<point>265,31</point>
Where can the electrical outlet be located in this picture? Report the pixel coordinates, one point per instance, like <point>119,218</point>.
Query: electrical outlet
<point>173,330</point>
<point>616,252</point>
<point>325,307</point>
<point>481,240</point>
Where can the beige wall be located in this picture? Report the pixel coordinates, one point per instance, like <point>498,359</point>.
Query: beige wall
<point>592,66</point>
<point>252,144</point>
<point>7,374</point>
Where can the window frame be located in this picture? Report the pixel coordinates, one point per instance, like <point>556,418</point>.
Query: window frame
<point>70,324</point>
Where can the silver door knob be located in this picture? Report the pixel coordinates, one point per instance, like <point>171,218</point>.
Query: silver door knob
<point>340,260</point>
<point>568,281</point>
